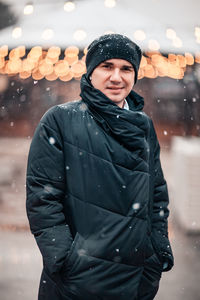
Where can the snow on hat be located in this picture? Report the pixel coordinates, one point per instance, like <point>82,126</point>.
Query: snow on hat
<point>112,46</point>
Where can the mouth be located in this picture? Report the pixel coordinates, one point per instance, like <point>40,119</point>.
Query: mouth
<point>114,88</point>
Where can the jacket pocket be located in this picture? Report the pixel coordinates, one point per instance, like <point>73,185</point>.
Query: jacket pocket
<point>68,263</point>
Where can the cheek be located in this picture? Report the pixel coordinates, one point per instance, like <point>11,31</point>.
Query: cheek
<point>130,82</point>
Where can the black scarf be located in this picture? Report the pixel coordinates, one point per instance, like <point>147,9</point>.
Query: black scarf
<point>129,127</point>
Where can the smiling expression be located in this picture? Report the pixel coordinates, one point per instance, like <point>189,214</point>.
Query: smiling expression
<point>115,78</point>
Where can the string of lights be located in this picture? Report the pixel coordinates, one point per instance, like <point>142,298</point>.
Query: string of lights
<point>40,63</point>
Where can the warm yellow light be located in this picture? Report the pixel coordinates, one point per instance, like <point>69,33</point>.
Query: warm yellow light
<point>45,68</point>
<point>53,52</point>
<point>17,52</point>
<point>197,31</point>
<point>78,68</point>
<point>139,35</point>
<point>197,57</point>
<point>189,59</point>
<point>79,35</point>
<point>161,64</point>
<point>149,71</point>
<point>37,75</point>
<point>14,66</point>
<point>13,54</point>
<point>4,51</point>
<point>140,73</point>
<point>198,39</point>
<point>71,51</point>
<point>71,59</point>
<point>52,76</point>
<point>22,51</point>
<point>170,33</point>
<point>175,72</point>
<point>110,3</point>
<point>35,53</point>
<point>61,68</point>
<point>17,32</point>
<point>177,42</point>
<point>153,45</point>
<point>143,62</point>
<point>28,9</point>
<point>2,62</point>
<point>24,75</point>
<point>156,59</point>
<point>150,53</point>
<point>181,60</point>
<point>71,54</point>
<point>27,65</point>
<point>171,57</point>
<point>85,50</point>
<point>47,34</point>
<point>69,6</point>
<point>67,77</point>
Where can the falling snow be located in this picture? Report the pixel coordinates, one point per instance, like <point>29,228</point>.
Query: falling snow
<point>162,213</point>
<point>81,252</point>
<point>52,140</point>
<point>83,107</point>
<point>136,206</point>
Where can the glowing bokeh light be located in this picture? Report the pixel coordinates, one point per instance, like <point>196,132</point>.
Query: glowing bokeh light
<point>153,45</point>
<point>177,42</point>
<point>170,33</point>
<point>69,6</point>
<point>139,35</point>
<point>28,9</point>
<point>48,34</point>
<point>110,3</point>
<point>79,35</point>
<point>17,32</point>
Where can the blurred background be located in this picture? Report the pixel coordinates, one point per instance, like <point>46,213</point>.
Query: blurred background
<point>42,52</point>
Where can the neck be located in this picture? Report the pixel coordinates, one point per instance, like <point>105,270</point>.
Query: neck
<point>121,103</point>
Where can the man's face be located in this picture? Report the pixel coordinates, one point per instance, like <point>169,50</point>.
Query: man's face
<point>115,78</point>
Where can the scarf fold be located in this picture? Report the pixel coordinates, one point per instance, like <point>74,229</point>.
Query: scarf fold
<point>129,127</point>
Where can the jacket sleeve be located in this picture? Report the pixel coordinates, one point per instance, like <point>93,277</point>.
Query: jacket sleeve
<point>160,211</point>
<point>45,189</point>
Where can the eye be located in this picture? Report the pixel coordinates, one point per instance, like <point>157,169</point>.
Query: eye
<point>127,69</point>
<point>106,66</point>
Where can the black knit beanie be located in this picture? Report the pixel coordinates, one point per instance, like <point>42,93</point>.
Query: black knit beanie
<point>112,46</point>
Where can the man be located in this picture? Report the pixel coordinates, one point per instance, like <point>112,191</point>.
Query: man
<point>96,197</point>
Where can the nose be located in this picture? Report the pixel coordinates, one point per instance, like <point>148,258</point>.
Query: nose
<point>115,76</point>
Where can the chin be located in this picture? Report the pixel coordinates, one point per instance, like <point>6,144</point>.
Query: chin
<point>116,98</point>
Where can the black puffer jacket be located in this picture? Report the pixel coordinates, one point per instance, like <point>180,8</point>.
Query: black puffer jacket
<point>94,178</point>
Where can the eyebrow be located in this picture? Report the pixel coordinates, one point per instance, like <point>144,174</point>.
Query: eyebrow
<point>111,64</point>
